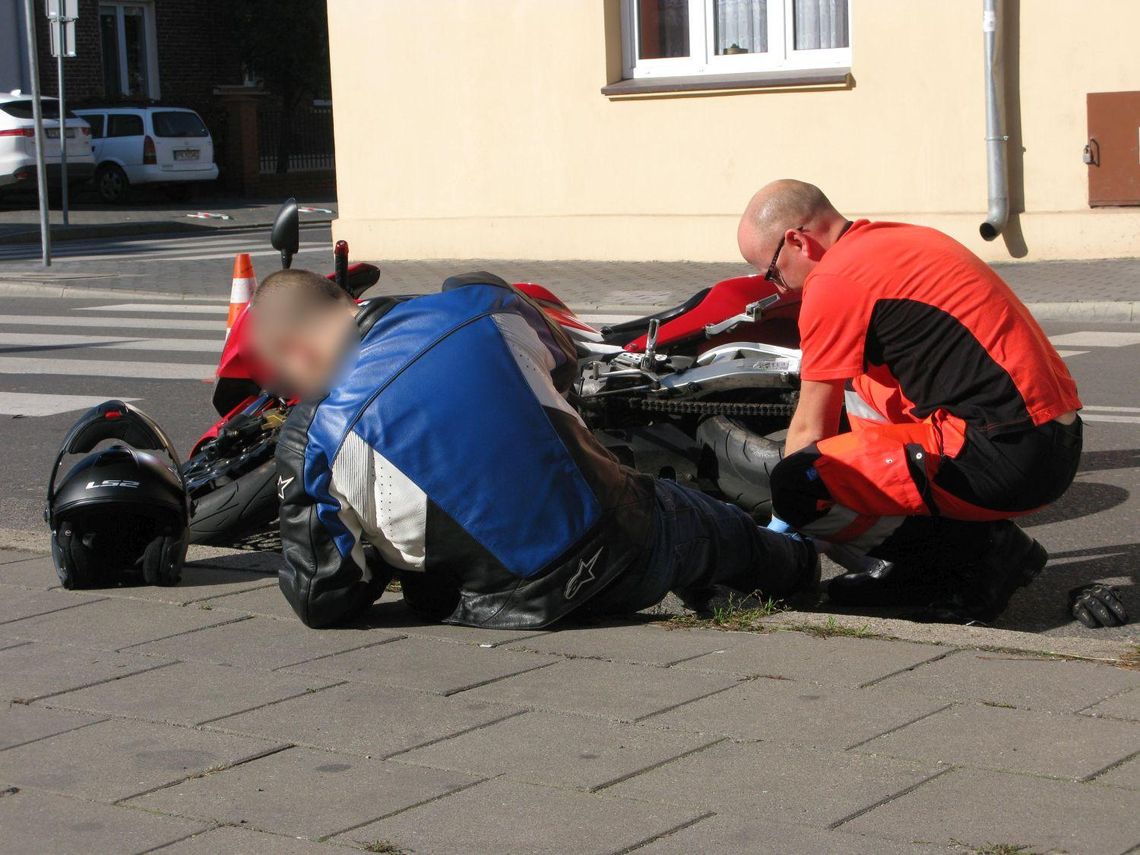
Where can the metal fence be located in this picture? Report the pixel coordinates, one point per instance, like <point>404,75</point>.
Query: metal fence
<point>308,143</point>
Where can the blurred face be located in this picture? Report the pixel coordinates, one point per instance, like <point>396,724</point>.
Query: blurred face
<point>302,350</point>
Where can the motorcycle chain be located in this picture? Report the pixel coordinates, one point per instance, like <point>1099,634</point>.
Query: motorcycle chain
<point>710,408</point>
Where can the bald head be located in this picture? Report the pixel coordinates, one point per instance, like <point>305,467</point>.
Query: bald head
<point>797,212</point>
<point>781,205</point>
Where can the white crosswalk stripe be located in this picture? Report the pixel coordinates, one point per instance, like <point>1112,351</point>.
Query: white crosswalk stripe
<point>1090,339</point>
<point>105,368</point>
<point>109,324</point>
<point>1098,338</point>
<point>1115,415</point>
<point>35,340</point>
<point>171,308</point>
<point>34,404</point>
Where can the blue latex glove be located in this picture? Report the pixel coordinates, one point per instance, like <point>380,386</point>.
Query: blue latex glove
<point>779,526</point>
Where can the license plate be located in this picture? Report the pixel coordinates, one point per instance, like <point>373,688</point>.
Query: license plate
<point>186,154</point>
<point>53,133</point>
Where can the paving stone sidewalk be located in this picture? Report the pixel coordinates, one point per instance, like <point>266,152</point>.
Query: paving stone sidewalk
<point>205,719</point>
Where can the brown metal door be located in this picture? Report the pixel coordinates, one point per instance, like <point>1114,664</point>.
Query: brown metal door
<point>1113,152</point>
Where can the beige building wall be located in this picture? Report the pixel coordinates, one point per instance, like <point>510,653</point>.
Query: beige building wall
<point>477,129</point>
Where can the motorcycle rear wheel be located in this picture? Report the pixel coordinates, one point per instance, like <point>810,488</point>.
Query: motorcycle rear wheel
<point>740,463</point>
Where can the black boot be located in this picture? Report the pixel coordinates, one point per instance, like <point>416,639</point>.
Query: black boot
<point>886,584</point>
<point>1011,559</point>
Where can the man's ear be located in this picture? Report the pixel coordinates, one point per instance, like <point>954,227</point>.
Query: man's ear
<point>803,244</point>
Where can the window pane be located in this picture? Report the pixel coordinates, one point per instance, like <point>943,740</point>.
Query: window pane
<point>741,26</point>
<point>663,28</point>
<point>134,28</point>
<point>23,109</point>
<point>109,36</point>
<point>178,124</point>
<point>821,24</point>
<point>124,125</point>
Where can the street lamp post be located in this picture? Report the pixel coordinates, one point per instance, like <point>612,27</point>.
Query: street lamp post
<point>38,120</point>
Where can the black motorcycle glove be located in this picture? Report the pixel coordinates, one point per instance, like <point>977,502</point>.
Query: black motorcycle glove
<point>1097,605</point>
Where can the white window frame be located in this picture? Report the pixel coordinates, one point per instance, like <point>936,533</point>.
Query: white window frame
<point>153,92</point>
<point>780,56</point>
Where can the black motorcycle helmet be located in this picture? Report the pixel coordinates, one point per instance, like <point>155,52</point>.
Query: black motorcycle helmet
<point>120,514</point>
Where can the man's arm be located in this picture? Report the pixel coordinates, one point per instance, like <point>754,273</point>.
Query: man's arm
<point>322,578</point>
<point>817,414</point>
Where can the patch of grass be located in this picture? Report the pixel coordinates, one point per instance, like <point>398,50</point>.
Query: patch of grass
<point>384,846</point>
<point>394,586</point>
<point>742,615</point>
<point>831,628</point>
<point>1003,849</point>
<point>1131,659</point>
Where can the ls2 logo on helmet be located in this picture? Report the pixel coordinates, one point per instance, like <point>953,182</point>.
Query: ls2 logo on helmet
<point>111,482</point>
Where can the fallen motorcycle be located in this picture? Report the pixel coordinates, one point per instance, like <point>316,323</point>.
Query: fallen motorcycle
<point>692,393</point>
<point>695,392</point>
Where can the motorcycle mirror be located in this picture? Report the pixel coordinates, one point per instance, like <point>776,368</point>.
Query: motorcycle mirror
<point>286,235</point>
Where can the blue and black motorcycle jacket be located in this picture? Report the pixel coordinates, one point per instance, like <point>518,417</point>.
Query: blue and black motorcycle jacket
<point>448,445</point>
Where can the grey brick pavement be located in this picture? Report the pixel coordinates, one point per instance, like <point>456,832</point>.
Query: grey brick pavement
<point>206,719</point>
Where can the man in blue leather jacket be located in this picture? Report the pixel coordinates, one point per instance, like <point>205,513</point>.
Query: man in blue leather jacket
<point>436,429</point>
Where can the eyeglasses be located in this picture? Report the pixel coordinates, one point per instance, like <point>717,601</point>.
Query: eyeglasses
<point>773,274</point>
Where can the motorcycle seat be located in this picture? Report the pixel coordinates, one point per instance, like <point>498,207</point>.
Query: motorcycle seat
<point>627,331</point>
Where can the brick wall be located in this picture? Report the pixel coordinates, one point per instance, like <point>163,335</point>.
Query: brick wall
<point>195,53</point>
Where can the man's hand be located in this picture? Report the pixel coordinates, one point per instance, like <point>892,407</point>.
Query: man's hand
<point>817,414</point>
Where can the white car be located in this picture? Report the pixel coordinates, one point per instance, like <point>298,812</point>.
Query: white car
<point>169,146</point>
<point>18,144</point>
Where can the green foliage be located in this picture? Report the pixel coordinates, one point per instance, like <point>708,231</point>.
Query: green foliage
<point>831,628</point>
<point>737,614</point>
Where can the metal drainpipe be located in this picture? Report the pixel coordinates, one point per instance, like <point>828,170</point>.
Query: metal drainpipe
<point>996,139</point>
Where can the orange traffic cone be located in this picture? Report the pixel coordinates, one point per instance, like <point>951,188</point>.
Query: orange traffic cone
<point>243,286</point>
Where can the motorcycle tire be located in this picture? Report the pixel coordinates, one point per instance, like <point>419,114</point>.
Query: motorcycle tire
<point>740,462</point>
<point>235,510</point>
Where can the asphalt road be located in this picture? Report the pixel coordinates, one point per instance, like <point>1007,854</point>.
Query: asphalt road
<point>59,356</point>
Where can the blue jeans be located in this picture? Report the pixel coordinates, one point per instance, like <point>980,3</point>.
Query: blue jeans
<point>699,542</point>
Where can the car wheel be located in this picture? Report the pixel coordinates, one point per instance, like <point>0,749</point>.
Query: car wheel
<point>112,184</point>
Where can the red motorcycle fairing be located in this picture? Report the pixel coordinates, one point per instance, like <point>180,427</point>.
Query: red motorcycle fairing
<point>777,324</point>
<point>555,309</point>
